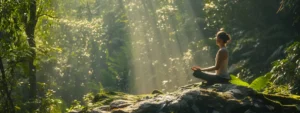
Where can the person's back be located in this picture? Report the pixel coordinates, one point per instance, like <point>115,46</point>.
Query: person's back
<point>223,70</point>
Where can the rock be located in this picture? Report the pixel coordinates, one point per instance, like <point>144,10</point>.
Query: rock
<point>220,98</point>
<point>101,108</point>
<point>98,111</point>
<point>119,104</point>
<point>119,111</point>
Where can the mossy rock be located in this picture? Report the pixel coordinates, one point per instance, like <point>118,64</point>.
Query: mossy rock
<point>194,98</point>
<point>157,92</point>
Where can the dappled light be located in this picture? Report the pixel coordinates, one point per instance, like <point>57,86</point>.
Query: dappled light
<point>60,56</point>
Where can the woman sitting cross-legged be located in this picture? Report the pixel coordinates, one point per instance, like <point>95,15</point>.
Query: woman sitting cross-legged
<point>221,74</point>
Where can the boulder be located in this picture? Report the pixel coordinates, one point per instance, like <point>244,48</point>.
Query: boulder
<point>218,98</point>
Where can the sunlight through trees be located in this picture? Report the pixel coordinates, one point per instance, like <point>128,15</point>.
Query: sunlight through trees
<point>57,53</point>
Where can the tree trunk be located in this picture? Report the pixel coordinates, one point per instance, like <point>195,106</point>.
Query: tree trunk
<point>9,105</point>
<point>29,29</point>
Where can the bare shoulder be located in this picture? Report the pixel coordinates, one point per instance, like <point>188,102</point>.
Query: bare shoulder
<point>223,51</point>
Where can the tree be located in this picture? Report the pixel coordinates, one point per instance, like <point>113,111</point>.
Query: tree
<point>17,18</point>
<point>9,103</point>
<point>30,24</point>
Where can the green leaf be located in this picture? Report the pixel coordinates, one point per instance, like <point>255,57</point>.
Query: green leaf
<point>261,82</point>
<point>17,108</point>
<point>36,62</point>
<point>235,80</point>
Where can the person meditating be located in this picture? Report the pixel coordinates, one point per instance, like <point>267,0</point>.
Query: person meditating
<point>221,74</point>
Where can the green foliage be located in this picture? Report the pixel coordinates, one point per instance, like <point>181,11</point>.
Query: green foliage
<point>75,106</point>
<point>90,45</point>
<point>13,53</point>
<point>235,80</point>
<point>261,82</point>
<point>92,100</point>
<point>278,89</point>
<point>287,71</point>
<point>49,104</point>
<point>258,84</point>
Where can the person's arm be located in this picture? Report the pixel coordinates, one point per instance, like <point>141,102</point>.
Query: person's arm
<point>221,55</point>
<point>212,68</point>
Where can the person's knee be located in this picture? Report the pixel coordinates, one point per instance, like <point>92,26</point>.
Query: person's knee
<point>197,74</point>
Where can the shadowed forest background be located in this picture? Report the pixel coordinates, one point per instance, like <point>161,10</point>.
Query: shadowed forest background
<point>55,53</point>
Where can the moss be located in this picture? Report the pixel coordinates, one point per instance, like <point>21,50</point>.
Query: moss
<point>157,92</point>
<point>105,98</point>
<point>216,99</point>
<point>282,100</point>
<point>100,97</point>
<point>114,93</point>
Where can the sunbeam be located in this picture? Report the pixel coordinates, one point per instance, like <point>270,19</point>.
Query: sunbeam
<point>161,56</point>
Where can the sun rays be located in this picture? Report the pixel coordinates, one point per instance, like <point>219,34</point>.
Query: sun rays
<point>161,58</point>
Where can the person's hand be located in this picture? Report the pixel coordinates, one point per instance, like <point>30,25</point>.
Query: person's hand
<point>194,68</point>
